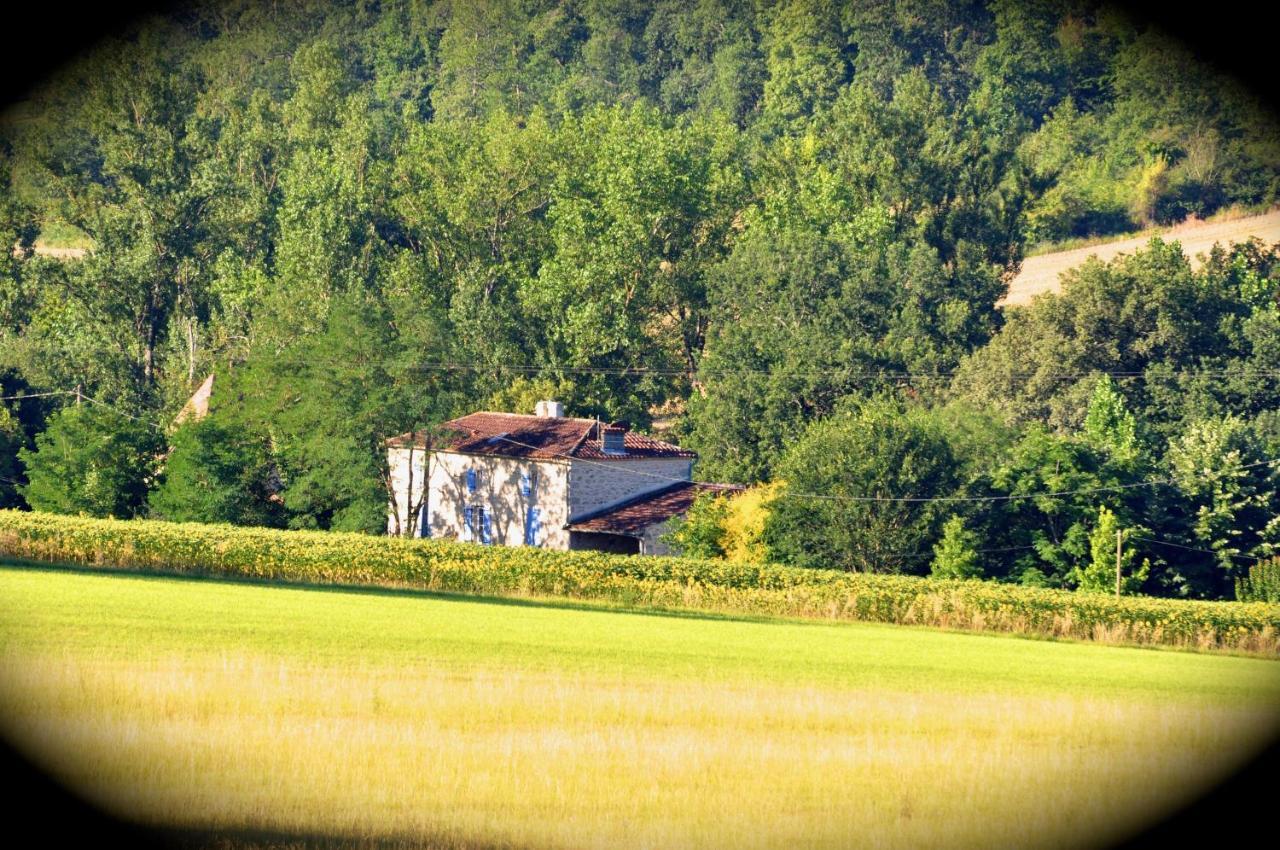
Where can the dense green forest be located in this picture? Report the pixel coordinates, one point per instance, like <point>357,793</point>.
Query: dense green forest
<point>780,228</point>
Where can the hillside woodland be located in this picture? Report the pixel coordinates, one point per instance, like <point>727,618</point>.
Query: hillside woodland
<point>776,230</point>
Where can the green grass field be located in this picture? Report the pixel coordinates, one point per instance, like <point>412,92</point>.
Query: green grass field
<point>454,722</point>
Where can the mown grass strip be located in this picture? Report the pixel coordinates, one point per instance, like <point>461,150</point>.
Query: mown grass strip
<point>334,558</point>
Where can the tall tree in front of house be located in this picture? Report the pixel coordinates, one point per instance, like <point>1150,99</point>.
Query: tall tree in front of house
<point>328,401</point>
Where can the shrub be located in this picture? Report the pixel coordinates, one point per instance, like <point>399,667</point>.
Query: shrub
<point>744,523</point>
<point>724,525</point>
<point>955,555</point>
<point>1262,584</point>
<point>91,460</point>
<point>700,532</point>
<point>218,473</point>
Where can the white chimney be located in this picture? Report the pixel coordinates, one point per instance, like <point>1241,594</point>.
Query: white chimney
<point>549,409</point>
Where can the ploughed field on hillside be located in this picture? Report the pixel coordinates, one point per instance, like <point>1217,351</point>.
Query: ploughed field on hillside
<point>442,721</point>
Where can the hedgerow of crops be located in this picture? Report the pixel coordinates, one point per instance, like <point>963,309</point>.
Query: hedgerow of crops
<point>328,557</point>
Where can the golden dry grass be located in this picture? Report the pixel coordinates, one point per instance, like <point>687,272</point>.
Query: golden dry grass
<point>569,761</point>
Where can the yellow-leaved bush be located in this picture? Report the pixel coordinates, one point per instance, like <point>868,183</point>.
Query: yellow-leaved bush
<point>744,523</point>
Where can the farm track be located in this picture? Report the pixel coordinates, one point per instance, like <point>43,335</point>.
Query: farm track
<point>60,253</point>
<point>1042,273</point>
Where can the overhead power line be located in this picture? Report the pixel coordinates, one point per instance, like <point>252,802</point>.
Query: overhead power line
<point>874,499</point>
<point>1194,549</point>
<point>79,394</point>
<point>1084,491</point>
<point>23,396</point>
<point>117,410</point>
<point>849,373</point>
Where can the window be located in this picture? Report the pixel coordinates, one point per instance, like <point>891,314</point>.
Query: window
<point>614,442</point>
<point>473,480</point>
<point>526,484</point>
<point>533,527</point>
<point>477,524</point>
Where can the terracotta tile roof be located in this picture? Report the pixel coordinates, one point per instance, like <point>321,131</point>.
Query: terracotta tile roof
<point>541,437</point>
<point>634,516</point>
<point>418,439</point>
<point>637,445</point>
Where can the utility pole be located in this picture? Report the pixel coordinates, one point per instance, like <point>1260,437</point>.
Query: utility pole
<point>1118,563</point>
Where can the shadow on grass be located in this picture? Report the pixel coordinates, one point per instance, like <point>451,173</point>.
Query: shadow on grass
<point>32,796</point>
<point>1234,813</point>
<point>560,604</point>
<point>262,839</point>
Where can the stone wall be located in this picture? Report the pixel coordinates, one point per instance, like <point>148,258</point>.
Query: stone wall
<point>596,485</point>
<point>561,490</point>
<point>650,544</point>
<point>498,491</point>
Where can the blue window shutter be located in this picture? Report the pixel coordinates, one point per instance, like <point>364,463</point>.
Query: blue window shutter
<point>487,531</point>
<point>532,526</point>
<point>471,480</point>
<point>526,484</point>
<point>467,524</point>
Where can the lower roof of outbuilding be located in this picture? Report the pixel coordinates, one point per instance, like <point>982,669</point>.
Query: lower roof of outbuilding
<point>633,516</point>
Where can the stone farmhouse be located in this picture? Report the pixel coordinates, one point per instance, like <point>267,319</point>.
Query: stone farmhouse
<point>546,480</point>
